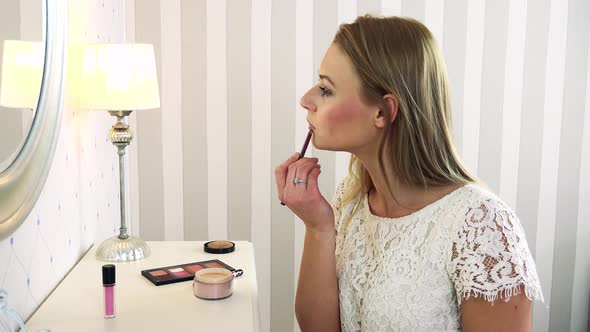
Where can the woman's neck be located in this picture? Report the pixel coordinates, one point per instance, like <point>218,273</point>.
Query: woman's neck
<point>402,199</point>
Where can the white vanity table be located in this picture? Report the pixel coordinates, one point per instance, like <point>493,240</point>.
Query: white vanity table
<point>77,302</point>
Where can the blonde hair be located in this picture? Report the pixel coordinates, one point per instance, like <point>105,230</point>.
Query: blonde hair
<point>399,56</point>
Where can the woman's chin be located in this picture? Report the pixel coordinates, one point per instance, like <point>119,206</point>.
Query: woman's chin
<point>325,146</point>
<point>317,146</point>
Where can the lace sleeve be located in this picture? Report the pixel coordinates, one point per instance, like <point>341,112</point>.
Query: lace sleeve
<point>490,257</point>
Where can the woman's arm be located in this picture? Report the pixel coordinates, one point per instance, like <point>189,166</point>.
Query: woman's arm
<point>316,304</point>
<point>480,315</point>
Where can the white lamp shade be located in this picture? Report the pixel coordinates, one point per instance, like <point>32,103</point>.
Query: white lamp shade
<point>22,70</point>
<point>119,77</point>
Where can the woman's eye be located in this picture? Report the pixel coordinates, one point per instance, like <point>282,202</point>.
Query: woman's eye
<point>324,91</point>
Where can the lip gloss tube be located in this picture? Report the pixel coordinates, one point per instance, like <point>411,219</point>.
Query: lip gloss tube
<point>108,281</point>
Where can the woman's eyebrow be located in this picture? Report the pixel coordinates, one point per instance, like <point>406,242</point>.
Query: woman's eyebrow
<point>327,78</point>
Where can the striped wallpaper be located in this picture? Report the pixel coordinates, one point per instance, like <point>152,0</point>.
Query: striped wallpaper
<point>231,74</point>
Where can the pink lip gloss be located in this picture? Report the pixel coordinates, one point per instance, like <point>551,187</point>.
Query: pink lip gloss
<point>108,281</point>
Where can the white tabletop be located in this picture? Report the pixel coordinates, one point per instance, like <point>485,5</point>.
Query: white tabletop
<point>77,302</point>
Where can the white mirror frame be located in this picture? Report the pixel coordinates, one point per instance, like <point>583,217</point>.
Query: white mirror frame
<point>22,182</point>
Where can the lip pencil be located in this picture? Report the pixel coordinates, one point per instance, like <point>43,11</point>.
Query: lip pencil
<point>304,148</point>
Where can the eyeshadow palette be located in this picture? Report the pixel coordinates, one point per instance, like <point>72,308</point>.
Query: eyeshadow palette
<point>183,272</point>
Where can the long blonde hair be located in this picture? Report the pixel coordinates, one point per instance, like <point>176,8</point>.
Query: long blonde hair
<point>399,56</point>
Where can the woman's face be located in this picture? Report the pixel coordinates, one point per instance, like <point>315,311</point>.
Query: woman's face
<point>340,120</point>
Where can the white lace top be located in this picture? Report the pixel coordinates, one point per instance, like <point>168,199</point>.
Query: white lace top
<point>411,273</point>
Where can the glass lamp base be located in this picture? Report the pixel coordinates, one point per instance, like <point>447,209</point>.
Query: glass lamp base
<point>117,250</point>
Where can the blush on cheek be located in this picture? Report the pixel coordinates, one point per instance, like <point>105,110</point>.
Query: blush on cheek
<point>339,125</point>
<point>345,112</point>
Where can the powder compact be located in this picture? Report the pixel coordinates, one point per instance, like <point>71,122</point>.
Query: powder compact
<point>219,247</point>
<point>213,284</point>
<point>185,272</point>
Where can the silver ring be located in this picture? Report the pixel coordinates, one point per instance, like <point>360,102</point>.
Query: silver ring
<point>298,180</point>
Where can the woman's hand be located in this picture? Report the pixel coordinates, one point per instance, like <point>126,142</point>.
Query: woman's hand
<point>304,198</point>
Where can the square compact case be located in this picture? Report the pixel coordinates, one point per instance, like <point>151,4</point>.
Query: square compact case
<point>182,272</point>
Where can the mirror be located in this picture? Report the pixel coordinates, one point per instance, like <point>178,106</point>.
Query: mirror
<point>32,50</point>
<point>21,68</point>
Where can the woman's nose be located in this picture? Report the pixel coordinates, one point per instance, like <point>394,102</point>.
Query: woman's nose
<point>307,103</point>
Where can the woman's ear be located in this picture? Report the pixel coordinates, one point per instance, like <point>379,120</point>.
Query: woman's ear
<point>389,106</point>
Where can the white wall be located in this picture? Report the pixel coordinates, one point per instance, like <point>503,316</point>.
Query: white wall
<point>79,202</point>
<point>231,73</point>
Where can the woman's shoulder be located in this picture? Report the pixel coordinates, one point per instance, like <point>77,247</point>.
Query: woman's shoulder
<point>343,190</point>
<point>477,194</point>
<point>347,199</point>
<point>481,214</point>
<point>475,205</point>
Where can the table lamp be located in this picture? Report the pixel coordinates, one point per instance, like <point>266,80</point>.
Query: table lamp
<point>22,70</point>
<point>120,78</point>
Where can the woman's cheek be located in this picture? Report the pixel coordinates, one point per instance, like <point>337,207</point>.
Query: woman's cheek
<point>342,114</point>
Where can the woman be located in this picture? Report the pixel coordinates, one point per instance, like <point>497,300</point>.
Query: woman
<point>411,241</point>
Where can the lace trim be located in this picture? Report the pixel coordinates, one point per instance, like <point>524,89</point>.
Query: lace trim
<point>532,292</point>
